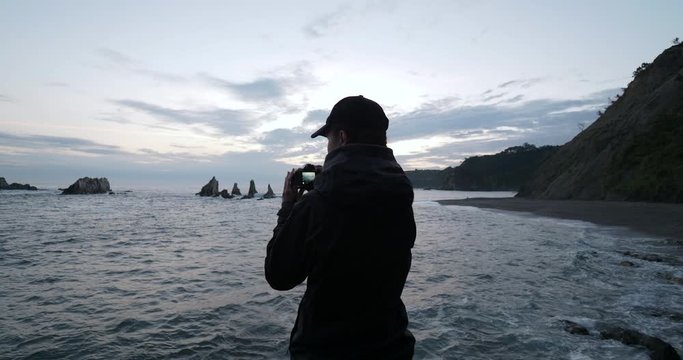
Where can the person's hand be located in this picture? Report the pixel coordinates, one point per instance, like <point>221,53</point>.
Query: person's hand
<point>289,190</point>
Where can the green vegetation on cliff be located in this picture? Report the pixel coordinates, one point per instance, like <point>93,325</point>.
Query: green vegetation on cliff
<point>505,171</point>
<point>653,165</point>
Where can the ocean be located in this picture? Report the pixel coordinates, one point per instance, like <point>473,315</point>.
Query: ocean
<point>150,275</point>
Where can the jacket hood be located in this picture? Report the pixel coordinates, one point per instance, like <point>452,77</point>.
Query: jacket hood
<point>362,173</point>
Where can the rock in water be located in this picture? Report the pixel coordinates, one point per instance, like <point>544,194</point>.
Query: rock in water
<point>87,185</point>
<point>210,189</point>
<point>225,194</point>
<point>15,186</point>
<point>252,190</point>
<point>646,257</point>
<point>269,194</point>
<point>574,328</point>
<point>235,190</point>
<point>659,350</point>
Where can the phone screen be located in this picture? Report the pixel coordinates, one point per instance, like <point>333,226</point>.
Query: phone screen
<point>307,176</point>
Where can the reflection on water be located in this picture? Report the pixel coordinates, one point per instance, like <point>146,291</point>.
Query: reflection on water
<point>145,275</point>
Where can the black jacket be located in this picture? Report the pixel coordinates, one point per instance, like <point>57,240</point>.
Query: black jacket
<point>352,237</point>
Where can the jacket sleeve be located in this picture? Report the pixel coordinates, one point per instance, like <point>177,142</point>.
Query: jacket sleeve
<point>285,264</point>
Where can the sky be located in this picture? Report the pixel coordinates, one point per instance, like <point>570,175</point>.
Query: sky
<point>166,94</point>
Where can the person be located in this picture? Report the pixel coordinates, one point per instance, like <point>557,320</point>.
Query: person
<point>351,236</point>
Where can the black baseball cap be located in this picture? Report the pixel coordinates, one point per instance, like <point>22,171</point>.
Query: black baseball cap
<point>355,112</point>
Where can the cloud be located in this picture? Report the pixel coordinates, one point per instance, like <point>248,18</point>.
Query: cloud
<point>324,23</point>
<point>157,157</point>
<point>493,97</point>
<point>5,98</point>
<point>127,63</point>
<point>315,118</point>
<point>293,146</point>
<point>429,121</point>
<point>56,84</point>
<point>115,56</point>
<point>257,90</point>
<point>274,87</point>
<point>522,83</point>
<point>43,143</point>
<point>225,121</point>
<point>515,99</point>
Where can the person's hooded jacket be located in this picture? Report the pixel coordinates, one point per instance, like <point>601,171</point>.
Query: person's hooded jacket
<point>351,237</point>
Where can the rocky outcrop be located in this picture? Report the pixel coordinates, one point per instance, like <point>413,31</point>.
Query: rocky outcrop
<point>235,190</point>
<point>226,195</point>
<point>646,257</point>
<point>15,186</point>
<point>252,191</point>
<point>210,189</point>
<point>574,328</point>
<point>633,151</point>
<point>88,185</point>
<point>269,194</point>
<point>659,350</point>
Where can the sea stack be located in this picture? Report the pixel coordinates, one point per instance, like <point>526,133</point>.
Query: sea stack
<point>269,194</point>
<point>88,185</point>
<point>252,190</point>
<point>235,190</point>
<point>226,195</point>
<point>210,189</point>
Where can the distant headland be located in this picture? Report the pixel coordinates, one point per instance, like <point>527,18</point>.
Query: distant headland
<point>505,171</point>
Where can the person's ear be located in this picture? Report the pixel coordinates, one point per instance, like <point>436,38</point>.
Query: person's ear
<point>343,137</point>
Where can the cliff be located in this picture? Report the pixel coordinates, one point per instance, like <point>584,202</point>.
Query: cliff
<point>633,151</point>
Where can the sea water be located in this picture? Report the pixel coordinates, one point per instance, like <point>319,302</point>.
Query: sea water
<point>147,275</point>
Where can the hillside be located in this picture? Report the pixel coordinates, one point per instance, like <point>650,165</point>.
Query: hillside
<point>633,151</point>
<point>506,170</point>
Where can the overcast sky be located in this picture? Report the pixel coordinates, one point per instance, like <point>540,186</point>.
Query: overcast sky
<point>170,93</point>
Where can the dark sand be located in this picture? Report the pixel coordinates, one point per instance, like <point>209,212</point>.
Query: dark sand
<point>665,220</point>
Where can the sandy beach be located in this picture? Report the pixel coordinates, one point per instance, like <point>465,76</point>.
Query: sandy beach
<point>665,220</point>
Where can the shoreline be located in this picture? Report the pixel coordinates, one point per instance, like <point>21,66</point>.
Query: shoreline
<point>659,219</point>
